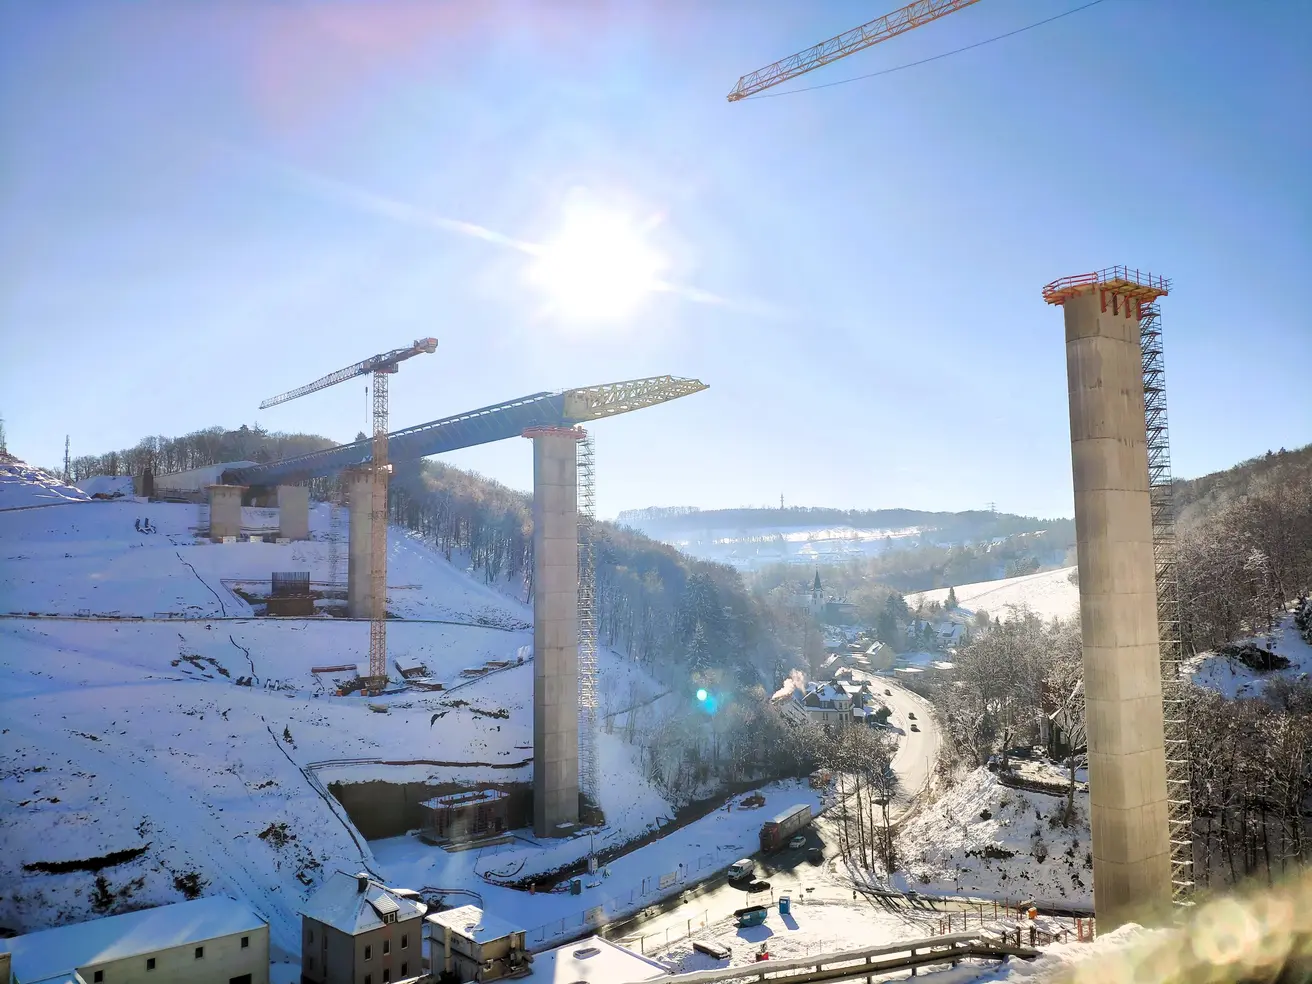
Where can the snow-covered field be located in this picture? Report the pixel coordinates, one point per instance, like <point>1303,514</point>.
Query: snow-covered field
<point>1050,594</point>
<point>984,840</point>
<point>1232,678</point>
<point>92,560</point>
<point>158,751</point>
<point>22,486</point>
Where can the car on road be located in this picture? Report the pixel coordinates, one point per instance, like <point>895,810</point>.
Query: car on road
<point>742,869</point>
<point>887,692</point>
<point>815,854</point>
<point>911,715</point>
<point>799,840</point>
<point>915,727</point>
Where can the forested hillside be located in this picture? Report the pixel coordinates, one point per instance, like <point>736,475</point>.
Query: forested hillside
<point>1245,546</point>
<point>654,603</point>
<point>195,450</point>
<point>938,527</point>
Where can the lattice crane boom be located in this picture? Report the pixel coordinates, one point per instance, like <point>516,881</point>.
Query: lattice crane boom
<point>383,362</point>
<point>380,366</point>
<point>881,29</point>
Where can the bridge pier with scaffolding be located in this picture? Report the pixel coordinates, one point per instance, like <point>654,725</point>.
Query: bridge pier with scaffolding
<point>555,629</point>
<point>1119,591</point>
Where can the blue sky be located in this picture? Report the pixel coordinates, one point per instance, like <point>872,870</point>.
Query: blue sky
<point>207,204</point>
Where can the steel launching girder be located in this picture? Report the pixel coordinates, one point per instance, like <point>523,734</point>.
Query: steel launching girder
<point>609,399</point>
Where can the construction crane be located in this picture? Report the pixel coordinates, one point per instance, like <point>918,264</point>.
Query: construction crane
<point>381,366</point>
<point>881,29</point>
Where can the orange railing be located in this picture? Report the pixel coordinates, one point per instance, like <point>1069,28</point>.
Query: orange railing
<point>1126,281</point>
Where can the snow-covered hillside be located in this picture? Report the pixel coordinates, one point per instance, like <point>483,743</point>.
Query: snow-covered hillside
<point>21,486</point>
<point>106,485</point>
<point>1050,594</point>
<point>171,754</point>
<point>1230,677</point>
<point>987,840</point>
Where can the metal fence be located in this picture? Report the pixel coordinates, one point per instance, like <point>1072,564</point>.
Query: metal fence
<point>622,902</point>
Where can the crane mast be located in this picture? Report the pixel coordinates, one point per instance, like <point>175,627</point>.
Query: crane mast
<point>380,366</point>
<point>881,29</point>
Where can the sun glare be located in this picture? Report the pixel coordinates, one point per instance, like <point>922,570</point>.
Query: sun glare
<point>599,266</point>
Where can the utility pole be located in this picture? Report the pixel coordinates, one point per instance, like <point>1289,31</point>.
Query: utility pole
<point>66,475</point>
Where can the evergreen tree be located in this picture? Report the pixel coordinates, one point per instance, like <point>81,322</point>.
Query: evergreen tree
<point>952,599</point>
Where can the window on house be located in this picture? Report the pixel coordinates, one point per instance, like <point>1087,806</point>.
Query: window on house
<point>309,963</point>
<point>311,936</point>
<point>387,976</point>
<point>405,941</point>
<point>245,942</point>
<point>100,976</point>
<point>405,969</point>
<point>368,979</point>
<point>387,947</point>
<point>200,952</point>
<point>150,963</point>
<point>368,952</point>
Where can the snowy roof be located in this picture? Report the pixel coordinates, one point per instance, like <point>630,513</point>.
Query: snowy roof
<point>594,961</point>
<point>339,903</point>
<point>56,953</point>
<point>473,923</point>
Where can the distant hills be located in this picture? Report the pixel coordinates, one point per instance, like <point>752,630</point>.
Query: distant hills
<point>750,538</point>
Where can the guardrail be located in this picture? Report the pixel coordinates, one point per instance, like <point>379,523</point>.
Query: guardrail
<point>865,962</point>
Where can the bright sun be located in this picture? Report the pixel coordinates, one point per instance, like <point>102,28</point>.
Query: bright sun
<point>598,268</point>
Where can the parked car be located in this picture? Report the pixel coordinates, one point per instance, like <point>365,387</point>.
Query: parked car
<point>739,870</point>
<point>799,840</point>
<point>911,715</point>
<point>815,854</point>
<point>888,693</point>
<point>915,727</point>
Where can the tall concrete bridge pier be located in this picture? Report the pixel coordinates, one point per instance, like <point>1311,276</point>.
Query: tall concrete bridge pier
<point>1118,593</point>
<point>555,628</point>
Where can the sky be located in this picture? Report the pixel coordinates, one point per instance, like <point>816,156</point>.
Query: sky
<point>208,204</point>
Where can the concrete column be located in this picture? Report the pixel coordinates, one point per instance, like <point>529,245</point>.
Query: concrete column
<point>1118,610</point>
<point>225,510</point>
<point>294,512</point>
<point>555,628</point>
<point>359,563</point>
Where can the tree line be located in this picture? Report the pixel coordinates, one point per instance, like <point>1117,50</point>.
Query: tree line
<point>208,446</point>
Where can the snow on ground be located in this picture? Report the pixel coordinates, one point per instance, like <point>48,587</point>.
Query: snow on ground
<point>813,926</point>
<point>995,836</point>
<point>21,485</point>
<point>93,560</point>
<point>159,752</point>
<point>1112,957</point>
<point>1050,594</point>
<point>711,843</point>
<point>106,485</point>
<point>1232,678</point>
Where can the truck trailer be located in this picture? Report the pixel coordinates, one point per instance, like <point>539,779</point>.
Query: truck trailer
<point>775,833</point>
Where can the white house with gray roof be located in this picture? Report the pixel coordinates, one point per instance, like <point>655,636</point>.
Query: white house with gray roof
<point>211,940</point>
<point>355,930</point>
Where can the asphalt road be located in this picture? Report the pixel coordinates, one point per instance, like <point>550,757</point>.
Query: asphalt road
<point>789,871</point>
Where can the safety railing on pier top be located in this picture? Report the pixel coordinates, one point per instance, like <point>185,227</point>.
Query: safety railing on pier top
<point>1127,281</point>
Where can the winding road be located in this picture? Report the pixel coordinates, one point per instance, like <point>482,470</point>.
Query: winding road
<point>788,871</point>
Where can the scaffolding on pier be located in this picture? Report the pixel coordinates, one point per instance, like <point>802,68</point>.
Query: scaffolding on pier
<point>587,513</point>
<point>1174,707</point>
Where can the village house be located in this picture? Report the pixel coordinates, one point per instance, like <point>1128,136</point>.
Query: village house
<point>211,940</point>
<point>354,930</point>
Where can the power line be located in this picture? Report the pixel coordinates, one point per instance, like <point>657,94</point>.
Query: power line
<point>923,61</point>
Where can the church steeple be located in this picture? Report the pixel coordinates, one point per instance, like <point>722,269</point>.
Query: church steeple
<point>816,590</point>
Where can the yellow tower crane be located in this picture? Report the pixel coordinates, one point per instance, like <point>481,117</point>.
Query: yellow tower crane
<point>381,366</point>
<point>881,29</point>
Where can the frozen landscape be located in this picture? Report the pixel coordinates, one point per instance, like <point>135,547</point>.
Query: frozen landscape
<point>1049,594</point>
